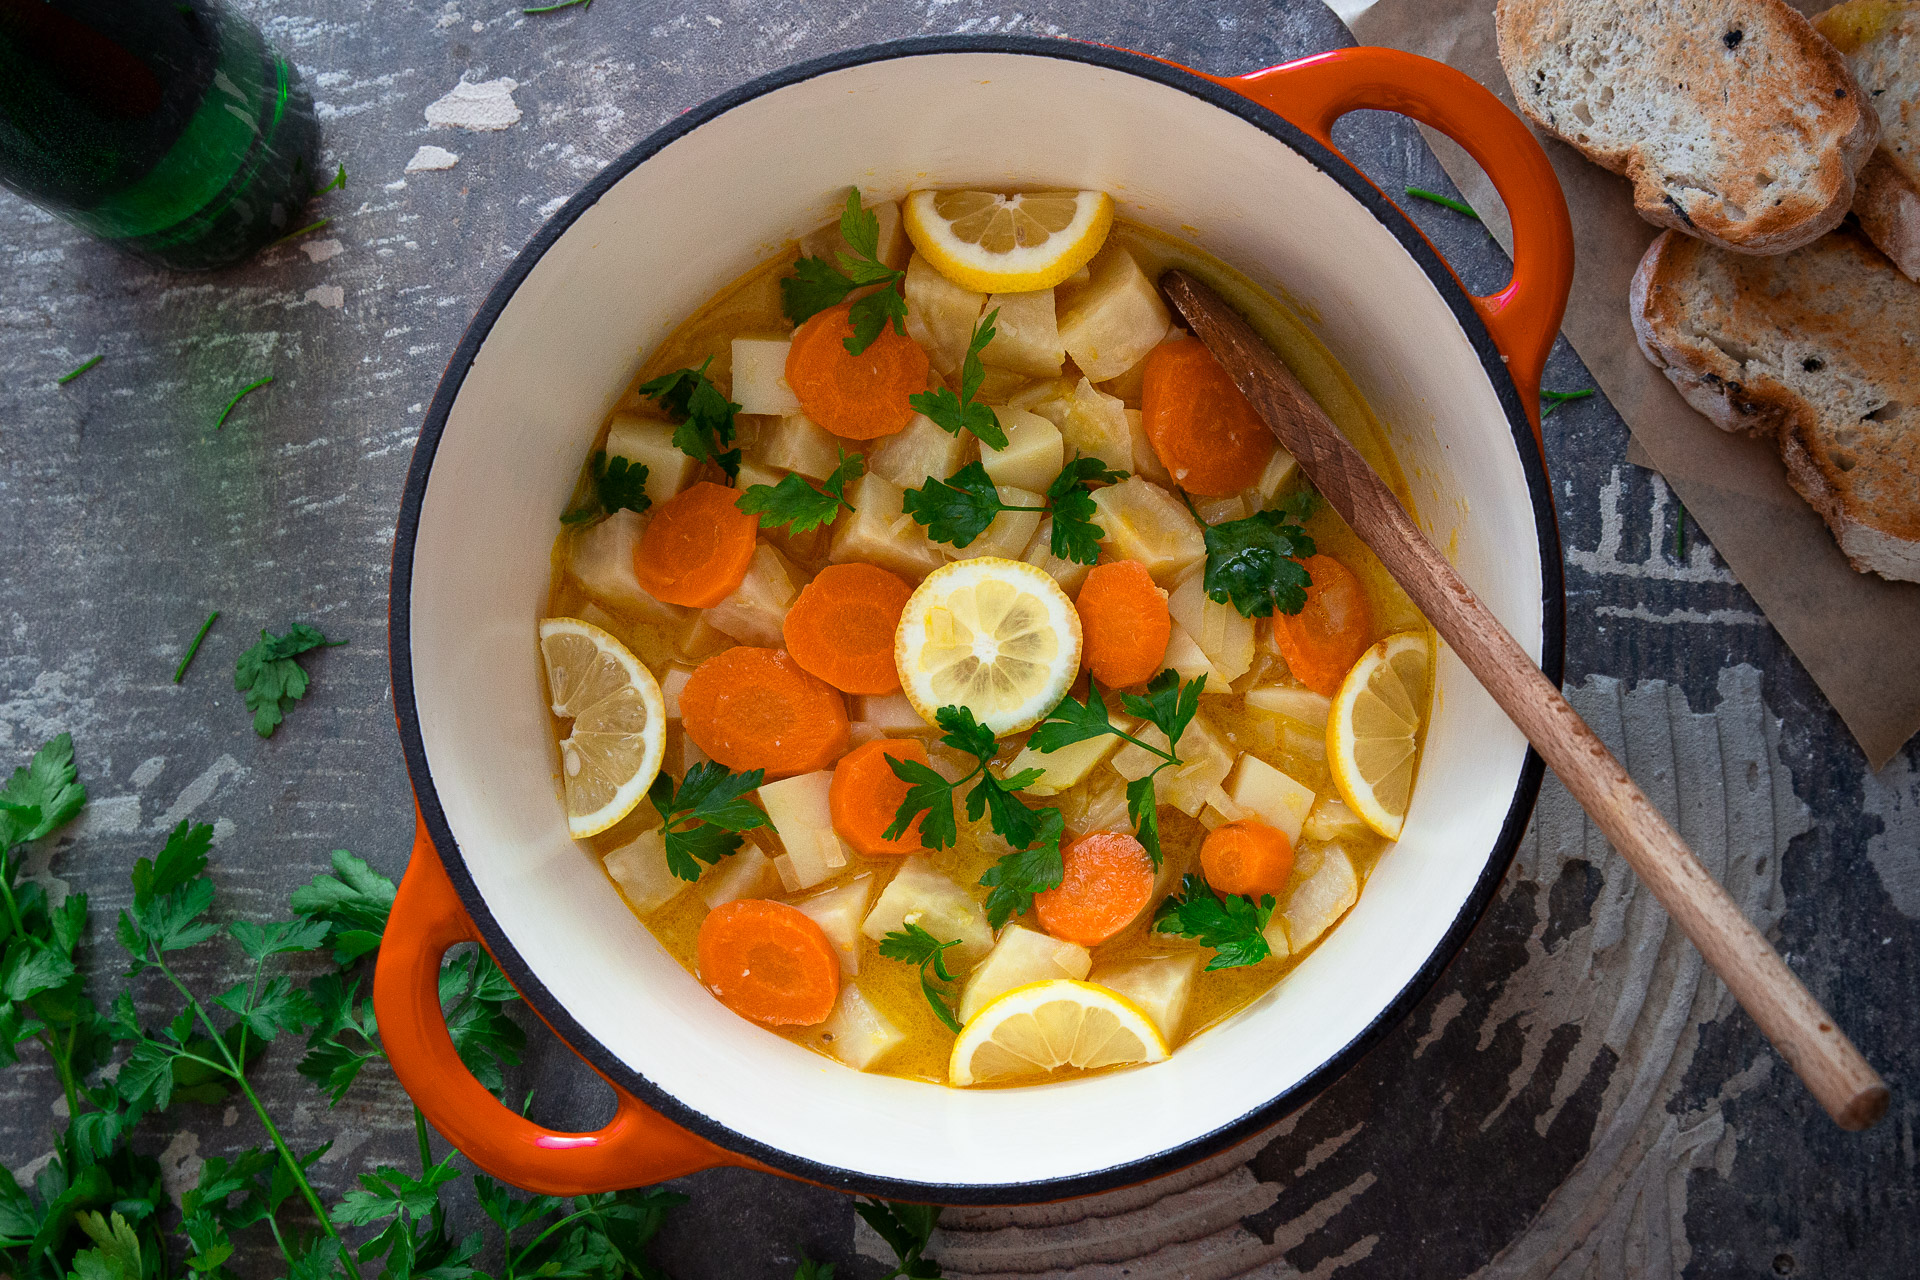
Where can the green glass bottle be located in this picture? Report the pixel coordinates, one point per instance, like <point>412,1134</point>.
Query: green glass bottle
<point>170,128</point>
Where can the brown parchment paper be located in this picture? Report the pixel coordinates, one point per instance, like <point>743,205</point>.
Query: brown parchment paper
<point>1858,635</point>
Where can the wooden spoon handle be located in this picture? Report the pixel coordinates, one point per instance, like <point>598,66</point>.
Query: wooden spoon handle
<point>1843,1082</point>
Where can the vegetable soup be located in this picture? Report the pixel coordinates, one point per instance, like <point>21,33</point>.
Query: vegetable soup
<point>948,667</point>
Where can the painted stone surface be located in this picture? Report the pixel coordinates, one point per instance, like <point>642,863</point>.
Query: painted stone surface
<point>1576,1097</point>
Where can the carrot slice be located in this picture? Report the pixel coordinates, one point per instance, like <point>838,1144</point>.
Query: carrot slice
<point>1124,624</point>
<point>865,795</point>
<point>769,962</point>
<point>1206,434</point>
<point>757,709</point>
<point>1247,857</point>
<point>1107,882</point>
<point>842,626</point>
<point>697,547</point>
<point>860,397</point>
<point>1323,641</point>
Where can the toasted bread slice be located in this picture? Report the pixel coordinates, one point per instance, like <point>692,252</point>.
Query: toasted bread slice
<point>1735,121</point>
<point>1880,39</point>
<point>1814,350</point>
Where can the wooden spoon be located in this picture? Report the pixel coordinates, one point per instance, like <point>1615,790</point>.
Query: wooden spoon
<point>1850,1090</point>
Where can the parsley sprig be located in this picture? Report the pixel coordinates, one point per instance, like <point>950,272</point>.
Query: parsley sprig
<point>815,285</point>
<point>800,504</point>
<point>270,678</point>
<point>1034,866</point>
<point>956,413</point>
<point>1168,706</point>
<point>915,945</point>
<point>1233,926</point>
<point>705,815</point>
<point>907,1229</point>
<point>958,509</point>
<point>705,416</point>
<point>613,484</point>
<point>1255,564</point>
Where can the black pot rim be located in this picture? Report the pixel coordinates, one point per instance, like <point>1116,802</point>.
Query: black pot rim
<point>555,1013</point>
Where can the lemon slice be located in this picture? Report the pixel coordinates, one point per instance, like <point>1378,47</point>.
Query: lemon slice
<point>1008,244</point>
<point>1044,1026</point>
<point>619,722</point>
<point>998,637</point>
<point>1373,731</point>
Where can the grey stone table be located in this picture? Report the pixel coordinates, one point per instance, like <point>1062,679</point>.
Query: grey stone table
<point>1576,1098</point>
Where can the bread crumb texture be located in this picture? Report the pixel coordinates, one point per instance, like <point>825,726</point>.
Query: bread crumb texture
<point>1880,39</point>
<point>1817,350</point>
<point>1734,119</point>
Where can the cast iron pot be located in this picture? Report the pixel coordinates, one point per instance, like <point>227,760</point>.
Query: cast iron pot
<point>1245,168</point>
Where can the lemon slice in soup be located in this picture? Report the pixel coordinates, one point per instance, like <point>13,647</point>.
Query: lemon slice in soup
<point>1373,730</point>
<point>1044,1026</point>
<point>619,720</point>
<point>998,637</point>
<point>1008,243</point>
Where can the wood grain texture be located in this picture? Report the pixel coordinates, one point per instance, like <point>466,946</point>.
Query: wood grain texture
<point>1806,1036</point>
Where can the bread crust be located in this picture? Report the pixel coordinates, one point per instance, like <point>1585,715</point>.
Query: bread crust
<point>1734,120</point>
<point>1810,350</point>
<point>1880,40</point>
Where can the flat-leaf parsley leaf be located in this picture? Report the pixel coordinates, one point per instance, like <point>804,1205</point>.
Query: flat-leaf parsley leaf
<point>1233,926</point>
<point>815,285</point>
<point>915,945</point>
<point>613,484</point>
<point>1255,563</point>
<point>271,679</point>
<point>705,815</point>
<point>1168,706</point>
<point>956,413</point>
<point>1075,536</point>
<point>706,416</point>
<point>798,503</point>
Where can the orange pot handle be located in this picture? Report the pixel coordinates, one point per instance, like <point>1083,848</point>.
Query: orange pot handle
<point>637,1147</point>
<point>1523,317</point>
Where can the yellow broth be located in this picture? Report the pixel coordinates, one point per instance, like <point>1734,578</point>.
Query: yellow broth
<point>750,306</point>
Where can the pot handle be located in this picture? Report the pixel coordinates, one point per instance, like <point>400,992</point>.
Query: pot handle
<point>636,1148</point>
<point>1523,317</point>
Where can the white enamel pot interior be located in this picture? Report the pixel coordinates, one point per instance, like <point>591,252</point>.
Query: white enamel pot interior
<point>691,209</point>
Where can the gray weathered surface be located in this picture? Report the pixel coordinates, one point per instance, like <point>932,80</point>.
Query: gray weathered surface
<point>1574,1099</point>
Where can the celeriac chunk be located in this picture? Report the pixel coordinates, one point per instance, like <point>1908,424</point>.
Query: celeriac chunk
<point>760,376</point>
<point>1161,987</point>
<point>1279,472</point>
<point>1034,454</point>
<point>602,562</point>
<point>1116,319</point>
<point>649,442</point>
<point>1146,463</point>
<point>856,1033</point>
<point>838,911</point>
<point>1292,701</point>
<point>1205,759</point>
<point>1275,798</point>
<point>1095,423</point>
<point>1010,532</point>
<point>1330,819</point>
<point>748,873</point>
<point>1330,888</point>
<point>797,443</point>
<point>1185,657</point>
<point>940,315</point>
<point>920,895</point>
<point>1070,574</point>
<point>755,611</point>
<point>877,530</point>
<point>798,808</point>
<point>640,869</point>
<point>1222,634</point>
<point>891,713</point>
<point>1021,956</point>
<point>1026,338</point>
<point>1068,765</point>
<point>1144,522</point>
<point>919,451</point>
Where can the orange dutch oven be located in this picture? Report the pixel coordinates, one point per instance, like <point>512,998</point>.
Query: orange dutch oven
<point>1244,167</point>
